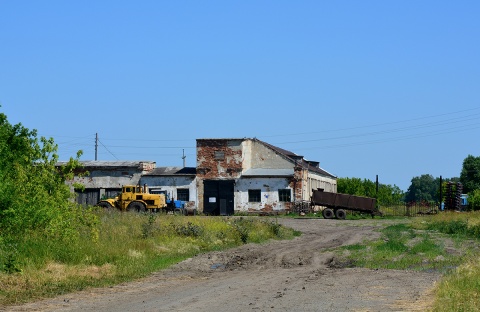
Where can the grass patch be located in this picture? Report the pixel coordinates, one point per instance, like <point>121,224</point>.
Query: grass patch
<point>420,245</point>
<point>128,246</point>
<point>460,290</point>
<point>401,247</point>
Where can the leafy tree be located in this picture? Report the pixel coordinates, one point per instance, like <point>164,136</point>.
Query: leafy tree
<point>474,200</point>
<point>470,175</point>
<point>33,193</point>
<point>387,194</point>
<point>423,188</point>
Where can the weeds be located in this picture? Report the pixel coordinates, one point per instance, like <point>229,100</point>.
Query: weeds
<point>148,227</point>
<point>401,247</point>
<point>128,246</point>
<point>241,225</point>
<point>188,229</point>
<point>10,263</point>
<point>275,228</point>
<point>416,246</point>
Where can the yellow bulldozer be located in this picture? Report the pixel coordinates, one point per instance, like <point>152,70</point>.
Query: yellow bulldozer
<point>135,198</point>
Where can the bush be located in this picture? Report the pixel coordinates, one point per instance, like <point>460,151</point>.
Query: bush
<point>474,200</point>
<point>188,229</point>
<point>33,193</point>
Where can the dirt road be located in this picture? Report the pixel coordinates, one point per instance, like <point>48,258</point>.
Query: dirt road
<point>296,275</point>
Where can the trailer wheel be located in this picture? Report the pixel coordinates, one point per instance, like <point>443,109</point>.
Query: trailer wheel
<point>328,213</point>
<point>136,207</point>
<point>340,214</point>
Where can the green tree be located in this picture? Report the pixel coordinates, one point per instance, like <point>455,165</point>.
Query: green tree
<point>474,200</point>
<point>387,194</point>
<point>470,175</point>
<point>423,188</point>
<point>33,193</point>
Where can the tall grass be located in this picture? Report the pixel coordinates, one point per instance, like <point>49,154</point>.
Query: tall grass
<point>460,289</point>
<point>128,246</point>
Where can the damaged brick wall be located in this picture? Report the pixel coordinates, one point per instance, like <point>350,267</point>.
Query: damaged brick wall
<point>297,183</point>
<point>217,159</point>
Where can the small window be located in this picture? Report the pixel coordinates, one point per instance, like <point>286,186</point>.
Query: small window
<point>284,195</point>
<point>254,196</point>
<point>219,155</point>
<point>183,194</point>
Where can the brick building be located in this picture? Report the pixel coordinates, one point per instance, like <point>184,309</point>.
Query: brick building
<point>236,175</point>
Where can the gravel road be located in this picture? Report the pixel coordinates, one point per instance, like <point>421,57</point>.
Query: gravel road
<point>295,275</point>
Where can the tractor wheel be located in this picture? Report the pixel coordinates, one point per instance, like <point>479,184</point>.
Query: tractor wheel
<point>340,214</point>
<point>328,213</point>
<point>105,205</point>
<point>136,207</point>
<point>179,211</point>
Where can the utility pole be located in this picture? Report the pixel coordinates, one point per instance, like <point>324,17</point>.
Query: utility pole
<point>96,146</point>
<point>183,157</point>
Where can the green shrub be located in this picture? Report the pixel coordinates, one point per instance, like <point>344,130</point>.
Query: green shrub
<point>449,227</point>
<point>474,200</point>
<point>189,229</point>
<point>33,193</point>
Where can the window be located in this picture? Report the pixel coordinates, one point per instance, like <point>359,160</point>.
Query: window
<point>284,195</point>
<point>254,196</point>
<point>183,194</point>
<point>219,155</point>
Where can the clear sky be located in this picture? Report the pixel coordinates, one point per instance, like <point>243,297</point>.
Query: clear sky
<point>387,88</point>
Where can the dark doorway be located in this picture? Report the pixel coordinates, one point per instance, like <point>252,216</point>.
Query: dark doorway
<point>91,196</point>
<point>218,197</point>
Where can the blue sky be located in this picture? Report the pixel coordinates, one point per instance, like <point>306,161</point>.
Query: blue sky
<point>387,88</point>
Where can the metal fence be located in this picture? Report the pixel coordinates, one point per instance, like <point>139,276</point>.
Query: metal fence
<point>410,209</point>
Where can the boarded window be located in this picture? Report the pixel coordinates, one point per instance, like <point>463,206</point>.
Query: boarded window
<point>219,155</point>
<point>284,195</point>
<point>254,196</point>
<point>183,194</point>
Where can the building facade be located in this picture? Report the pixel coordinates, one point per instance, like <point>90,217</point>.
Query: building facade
<point>106,178</point>
<point>236,175</point>
<point>176,183</point>
<point>232,175</point>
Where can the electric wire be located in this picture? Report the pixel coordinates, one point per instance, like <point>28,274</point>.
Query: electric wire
<point>468,120</point>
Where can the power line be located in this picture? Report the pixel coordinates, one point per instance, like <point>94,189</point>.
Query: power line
<point>383,132</point>
<point>389,139</point>
<point>461,116</point>
<point>107,149</point>
<point>375,125</point>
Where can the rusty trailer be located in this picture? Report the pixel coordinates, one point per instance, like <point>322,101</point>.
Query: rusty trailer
<point>336,204</point>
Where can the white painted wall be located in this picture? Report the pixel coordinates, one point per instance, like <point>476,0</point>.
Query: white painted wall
<point>257,155</point>
<point>170,184</point>
<point>269,193</point>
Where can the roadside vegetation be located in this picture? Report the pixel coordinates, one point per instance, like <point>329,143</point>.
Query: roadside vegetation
<point>49,245</point>
<point>447,243</point>
<point>125,246</point>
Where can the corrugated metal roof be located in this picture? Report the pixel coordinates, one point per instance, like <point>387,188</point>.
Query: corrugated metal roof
<point>268,172</point>
<point>173,171</point>
<point>103,163</point>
